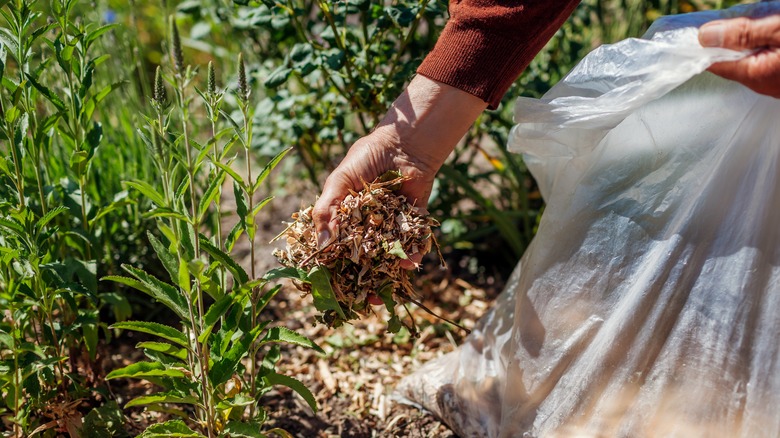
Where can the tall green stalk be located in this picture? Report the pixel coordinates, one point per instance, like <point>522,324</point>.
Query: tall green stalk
<point>182,78</point>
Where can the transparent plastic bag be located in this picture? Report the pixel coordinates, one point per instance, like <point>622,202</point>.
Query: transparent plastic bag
<point>649,302</point>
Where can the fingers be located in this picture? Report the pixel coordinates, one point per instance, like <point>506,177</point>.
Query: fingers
<point>741,33</point>
<point>324,211</point>
<point>760,71</point>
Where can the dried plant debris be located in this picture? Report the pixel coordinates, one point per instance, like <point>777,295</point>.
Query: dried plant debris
<point>378,230</point>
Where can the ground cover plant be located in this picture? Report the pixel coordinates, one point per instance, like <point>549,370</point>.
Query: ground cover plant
<point>130,132</point>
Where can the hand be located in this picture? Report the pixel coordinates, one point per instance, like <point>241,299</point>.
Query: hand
<point>759,71</point>
<point>369,157</point>
<point>416,135</point>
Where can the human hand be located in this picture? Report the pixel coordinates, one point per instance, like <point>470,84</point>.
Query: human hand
<point>419,131</point>
<point>368,158</point>
<point>759,71</point>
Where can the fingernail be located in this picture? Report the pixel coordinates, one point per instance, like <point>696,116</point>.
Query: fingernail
<point>712,35</point>
<point>323,238</point>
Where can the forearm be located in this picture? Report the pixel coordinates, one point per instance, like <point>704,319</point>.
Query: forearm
<point>429,118</point>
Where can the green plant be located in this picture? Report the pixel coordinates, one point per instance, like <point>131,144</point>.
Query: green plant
<point>54,217</point>
<point>200,365</point>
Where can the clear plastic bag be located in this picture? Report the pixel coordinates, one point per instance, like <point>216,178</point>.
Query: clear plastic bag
<point>649,302</point>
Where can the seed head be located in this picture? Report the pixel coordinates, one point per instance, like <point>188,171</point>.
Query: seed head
<point>212,80</point>
<point>243,86</point>
<point>178,56</point>
<point>159,94</point>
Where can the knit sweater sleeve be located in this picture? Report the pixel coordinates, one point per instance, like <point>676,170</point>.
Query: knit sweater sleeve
<point>486,44</point>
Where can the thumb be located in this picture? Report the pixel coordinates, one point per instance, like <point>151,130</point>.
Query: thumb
<point>741,33</point>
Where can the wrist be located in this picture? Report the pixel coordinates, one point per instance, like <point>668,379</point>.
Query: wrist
<point>428,120</point>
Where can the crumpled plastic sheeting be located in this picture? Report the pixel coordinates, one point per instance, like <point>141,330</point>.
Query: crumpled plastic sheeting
<point>648,304</point>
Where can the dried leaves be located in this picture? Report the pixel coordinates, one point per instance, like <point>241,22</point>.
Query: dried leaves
<point>378,229</point>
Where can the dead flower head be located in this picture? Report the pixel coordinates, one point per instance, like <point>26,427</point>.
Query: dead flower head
<point>378,229</point>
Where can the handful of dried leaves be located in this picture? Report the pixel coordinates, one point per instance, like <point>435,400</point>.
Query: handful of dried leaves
<point>378,229</point>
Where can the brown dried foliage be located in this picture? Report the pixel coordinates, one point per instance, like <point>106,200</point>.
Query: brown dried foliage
<point>378,229</point>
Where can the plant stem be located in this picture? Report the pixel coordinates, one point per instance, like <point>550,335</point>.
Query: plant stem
<point>219,196</point>
<point>202,348</point>
<point>48,307</point>
<point>251,223</point>
<point>19,176</point>
<point>17,380</point>
<point>38,170</point>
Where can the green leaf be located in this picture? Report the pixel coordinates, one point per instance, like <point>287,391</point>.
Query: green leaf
<point>244,430</point>
<point>95,34</point>
<point>13,225</point>
<point>285,335</point>
<point>167,213</point>
<point>268,168</point>
<point>104,421</point>
<point>335,59</point>
<point>118,303</point>
<point>256,209</point>
<point>397,250</point>
<point>278,76</point>
<point>170,429</point>
<point>78,162</point>
<point>215,312</point>
<point>241,208</point>
<point>322,292</point>
<point>227,364</point>
<point>140,370</point>
<point>217,254</point>
<point>6,339</point>
<point>94,136</point>
<point>236,177</point>
<point>288,272</point>
<point>265,299</point>
<point>92,103</point>
<point>184,276</point>
<point>51,214</point>
<point>3,56</point>
<point>147,190</point>
<point>394,324</point>
<point>157,289</point>
<point>154,328</point>
<point>47,93</point>
<point>167,258</point>
<point>295,385</point>
<point>164,347</point>
<point>301,52</point>
<point>63,53</point>
<point>211,193</point>
<point>386,294</point>
<point>234,234</point>
<point>86,83</point>
<point>162,397</point>
<point>236,127</point>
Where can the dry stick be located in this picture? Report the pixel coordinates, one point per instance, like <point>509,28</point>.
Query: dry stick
<point>420,305</point>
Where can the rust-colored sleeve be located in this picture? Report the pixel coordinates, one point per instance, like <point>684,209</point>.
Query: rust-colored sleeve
<point>486,44</point>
